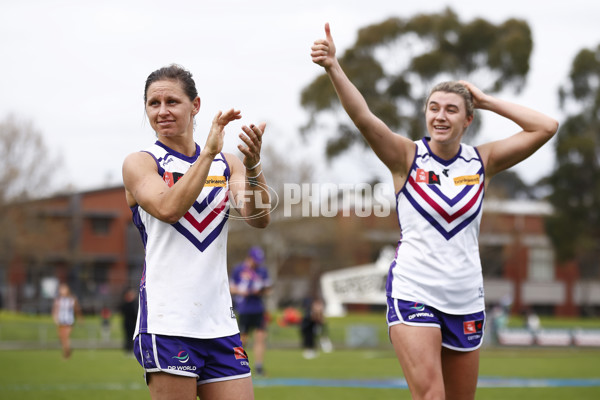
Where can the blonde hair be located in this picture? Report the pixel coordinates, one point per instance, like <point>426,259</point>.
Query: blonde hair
<point>459,89</point>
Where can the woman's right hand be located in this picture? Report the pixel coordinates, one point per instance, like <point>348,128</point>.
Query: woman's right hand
<point>323,50</point>
<point>214,141</point>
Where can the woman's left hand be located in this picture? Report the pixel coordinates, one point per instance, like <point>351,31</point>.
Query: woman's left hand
<point>480,99</point>
<point>252,138</point>
<point>214,141</point>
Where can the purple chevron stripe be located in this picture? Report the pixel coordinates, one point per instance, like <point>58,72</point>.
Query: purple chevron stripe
<point>431,219</point>
<point>201,244</point>
<point>201,206</point>
<point>418,190</point>
<point>458,197</point>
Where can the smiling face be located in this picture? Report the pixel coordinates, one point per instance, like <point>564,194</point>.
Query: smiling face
<point>446,118</point>
<point>169,109</point>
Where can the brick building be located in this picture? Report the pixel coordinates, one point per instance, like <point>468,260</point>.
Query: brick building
<point>88,240</point>
<point>85,239</point>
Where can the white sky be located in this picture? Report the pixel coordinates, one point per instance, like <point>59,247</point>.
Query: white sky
<point>78,70</point>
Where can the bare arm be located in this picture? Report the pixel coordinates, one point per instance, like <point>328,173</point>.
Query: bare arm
<point>537,129</point>
<point>145,187</point>
<point>394,150</point>
<point>78,311</point>
<point>55,311</point>
<point>248,184</point>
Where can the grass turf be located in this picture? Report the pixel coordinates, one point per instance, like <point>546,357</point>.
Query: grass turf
<point>110,374</point>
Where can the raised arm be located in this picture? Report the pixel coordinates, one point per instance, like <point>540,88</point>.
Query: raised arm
<point>537,129</point>
<point>394,150</point>
<point>145,187</point>
<point>248,184</point>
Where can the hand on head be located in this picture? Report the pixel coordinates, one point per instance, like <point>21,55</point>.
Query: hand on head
<point>323,50</point>
<point>478,96</point>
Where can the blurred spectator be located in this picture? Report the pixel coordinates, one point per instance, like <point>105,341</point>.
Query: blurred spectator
<point>532,321</point>
<point>249,284</point>
<point>65,311</point>
<point>129,311</point>
<point>313,327</point>
<point>105,315</point>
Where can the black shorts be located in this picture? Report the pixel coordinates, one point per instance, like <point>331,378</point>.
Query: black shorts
<point>249,322</point>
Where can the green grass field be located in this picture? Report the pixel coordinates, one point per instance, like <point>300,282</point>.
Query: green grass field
<point>344,374</point>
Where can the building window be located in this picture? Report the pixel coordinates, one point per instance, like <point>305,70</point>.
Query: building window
<point>492,261</point>
<point>540,264</point>
<point>101,225</point>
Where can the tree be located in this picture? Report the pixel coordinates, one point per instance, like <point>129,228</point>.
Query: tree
<point>508,185</point>
<point>575,226</point>
<point>27,164</point>
<point>27,170</point>
<point>394,63</point>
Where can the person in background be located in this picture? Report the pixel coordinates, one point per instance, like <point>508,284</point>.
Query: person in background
<point>532,321</point>
<point>249,284</point>
<point>65,311</point>
<point>105,315</point>
<point>313,327</point>
<point>129,311</point>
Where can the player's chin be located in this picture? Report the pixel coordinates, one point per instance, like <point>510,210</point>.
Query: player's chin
<point>168,133</point>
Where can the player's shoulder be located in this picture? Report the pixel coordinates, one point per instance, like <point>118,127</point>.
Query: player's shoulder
<point>229,157</point>
<point>138,161</point>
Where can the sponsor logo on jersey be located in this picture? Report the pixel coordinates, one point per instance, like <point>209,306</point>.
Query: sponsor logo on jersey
<point>171,178</point>
<point>468,180</point>
<point>471,327</point>
<point>239,353</point>
<point>215,181</point>
<point>428,177</point>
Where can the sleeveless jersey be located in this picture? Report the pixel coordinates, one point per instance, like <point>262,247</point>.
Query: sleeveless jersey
<point>65,310</point>
<point>439,211</point>
<point>184,290</point>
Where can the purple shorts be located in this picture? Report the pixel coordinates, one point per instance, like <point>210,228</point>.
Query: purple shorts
<point>459,332</point>
<point>207,360</point>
